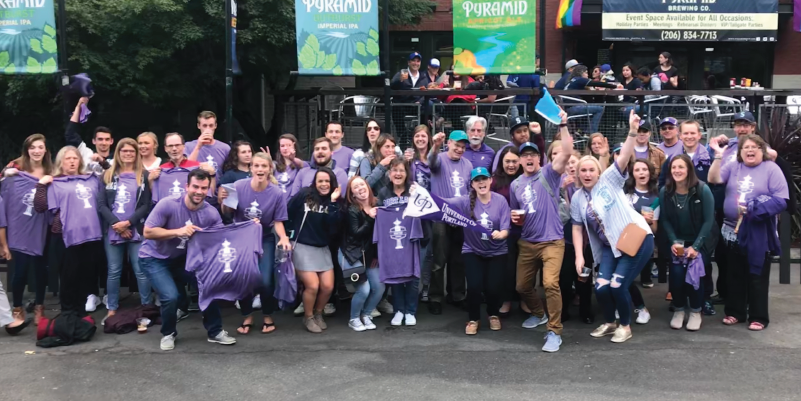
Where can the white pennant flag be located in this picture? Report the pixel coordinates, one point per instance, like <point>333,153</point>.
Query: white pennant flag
<point>420,204</point>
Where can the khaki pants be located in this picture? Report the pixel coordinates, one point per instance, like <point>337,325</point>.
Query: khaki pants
<point>548,257</point>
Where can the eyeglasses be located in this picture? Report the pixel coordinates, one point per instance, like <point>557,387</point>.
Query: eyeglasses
<point>751,148</point>
<point>742,124</point>
<point>667,128</point>
<point>372,128</point>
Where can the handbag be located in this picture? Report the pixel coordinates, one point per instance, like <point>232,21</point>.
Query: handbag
<point>354,274</point>
<point>630,239</point>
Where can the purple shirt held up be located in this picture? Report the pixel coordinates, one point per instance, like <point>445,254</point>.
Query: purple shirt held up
<point>398,246</point>
<point>75,196</point>
<point>27,230</point>
<point>124,207</point>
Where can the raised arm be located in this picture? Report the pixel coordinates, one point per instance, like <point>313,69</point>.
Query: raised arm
<point>714,170</point>
<point>433,154</point>
<point>628,147</point>
<point>560,162</point>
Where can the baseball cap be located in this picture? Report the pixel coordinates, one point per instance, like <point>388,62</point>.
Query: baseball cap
<point>645,126</point>
<point>517,122</point>
<point>571,63</point>
<point>415,55</point>
<point>458,135</point>
<point>434,63</point>
<point>669,120</point>
<point>745,116</point>
<point>606,68</point>
<point>529,145</point>
<point>479,172</point>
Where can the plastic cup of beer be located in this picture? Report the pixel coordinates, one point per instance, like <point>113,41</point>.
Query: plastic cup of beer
<point>646,209</point>
<point>141,324</point>
<point>679,244</point>
<point>517,215</point>
<point>585,272</point>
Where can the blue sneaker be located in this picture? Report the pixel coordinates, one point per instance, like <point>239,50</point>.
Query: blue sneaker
<point>709,310</point>
<point>552,342</point>
<point>535,321</point>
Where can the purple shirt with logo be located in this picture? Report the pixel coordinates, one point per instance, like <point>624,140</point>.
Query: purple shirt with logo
<point>676,149</point>
<point>171,183</point>
<point>213,154</point>
<point>494,216</point>
<point>225,260</point>
<point>75,196</point>
<point>745,183</point>
<point>306,176</point>
<point>542,222</point>
<point>342,157</point>
<point>480,158</point>
<point>287,177</point>
<point>453,177</point>
<point>171,214</point>
<point>421,174</point>
<point>268,206</point>
<point>27,230</point>
<point>398,246</point>
<point>124,207</point>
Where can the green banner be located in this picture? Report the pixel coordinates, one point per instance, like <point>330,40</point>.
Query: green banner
<point>28,37</point>
<point>494,36</point>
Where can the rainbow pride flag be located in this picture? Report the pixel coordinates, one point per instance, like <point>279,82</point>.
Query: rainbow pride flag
<point>569,13</point>
<point>797,16</point>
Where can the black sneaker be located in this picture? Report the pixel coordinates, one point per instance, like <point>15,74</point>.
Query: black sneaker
<point>435,308</point>
<point>709,310</point>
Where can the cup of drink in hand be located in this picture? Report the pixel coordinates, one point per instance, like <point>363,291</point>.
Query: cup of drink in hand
<point>409,153</point>
<point>679,245</point>
<point>517,216</point>
<point>585,272</point>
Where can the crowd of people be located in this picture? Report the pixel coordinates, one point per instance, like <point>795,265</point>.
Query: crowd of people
<point>601,219</point>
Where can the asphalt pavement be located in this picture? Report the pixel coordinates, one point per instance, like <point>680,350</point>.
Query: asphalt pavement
<point>434,360</point>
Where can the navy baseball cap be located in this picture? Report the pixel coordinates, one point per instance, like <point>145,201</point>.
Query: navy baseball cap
<point>479,172</point>
<point>669,120</point>
<point>415,55</point>
<point>528,145</point>
<point>645,126</point>
<point>517,122</point>
<point>745,116</point>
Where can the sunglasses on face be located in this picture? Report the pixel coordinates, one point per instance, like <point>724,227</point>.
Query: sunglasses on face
<point>373,128</point>
<point>667,128</point>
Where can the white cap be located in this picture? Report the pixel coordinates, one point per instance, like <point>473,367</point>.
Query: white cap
<point>433,63</point>
<point>571,63</point>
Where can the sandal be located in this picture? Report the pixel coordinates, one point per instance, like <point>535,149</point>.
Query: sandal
<point>266,326</point>
<point>756,326</point>
<point>244,329</point>
<point>730,320</point>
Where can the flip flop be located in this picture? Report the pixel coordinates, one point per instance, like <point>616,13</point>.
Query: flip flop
<point>244,326</point>
<point>756,326</point>
<point>730,320</point>
<point>265,326</point>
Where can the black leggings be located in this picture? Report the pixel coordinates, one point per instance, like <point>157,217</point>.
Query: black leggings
<point>483,274</point>
<point>568,278</point>
<point>77,275</point>
<point>22,264</point>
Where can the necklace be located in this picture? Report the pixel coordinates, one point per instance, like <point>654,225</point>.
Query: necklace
<point>679,204</point>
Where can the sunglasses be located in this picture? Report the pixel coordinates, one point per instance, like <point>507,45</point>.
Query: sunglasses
<point>667,128</point>
<point>371,128</point>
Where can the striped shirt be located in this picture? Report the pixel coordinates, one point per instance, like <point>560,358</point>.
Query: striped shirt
<point>611,206</point>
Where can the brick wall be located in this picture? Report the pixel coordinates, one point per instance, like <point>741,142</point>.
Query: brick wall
<point>440,20</point>
<point>787,57</point>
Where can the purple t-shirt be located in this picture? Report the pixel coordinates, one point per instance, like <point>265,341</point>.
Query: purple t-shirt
<point>287,177</point>
<point>3,222</point>
<point>745,183</point>
<point>676,149</point>
<point>641,155</point>
<point>75,196</point>
<point>171,183</point>
<point>494,216</point>
<point>306,175</point>
<point>542,221</point>
<point>213,154</point>
<point>342,157</point>
<point>27,230</point>
<point>225,260</point>
<point>421,174</point>
<point>453,177</point>
<point>398,246</point>
<point>268,206</point>
<point>481,157</point>
<point>171,214</point>
<point>124,207</point>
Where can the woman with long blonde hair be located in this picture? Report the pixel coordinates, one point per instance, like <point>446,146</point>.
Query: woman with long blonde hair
<point>27,231</point>
<point>261,198</point>
<point>124,205</point>
<point>148,143</point>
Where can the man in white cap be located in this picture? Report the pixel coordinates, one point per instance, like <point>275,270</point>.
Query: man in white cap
<point>562,82</point>
<point>432,74</point>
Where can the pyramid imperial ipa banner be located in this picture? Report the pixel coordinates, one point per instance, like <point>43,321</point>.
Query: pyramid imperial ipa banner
<point>494,36</point>
<point>691,20</point>
<point>337,37</point>
<point>28,37</point>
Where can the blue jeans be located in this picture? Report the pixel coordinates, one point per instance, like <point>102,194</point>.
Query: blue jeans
<point>615,275</point>
<point>596,111</point>
<point>168,278</point>
<point>368,293</point>
<point>23,262</point>
<point>115,255</point>
<point>681,290</point>
<point>404,297</point>
<point>267,289</point>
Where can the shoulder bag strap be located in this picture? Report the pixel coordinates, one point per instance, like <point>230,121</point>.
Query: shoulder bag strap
<point>301,228</point>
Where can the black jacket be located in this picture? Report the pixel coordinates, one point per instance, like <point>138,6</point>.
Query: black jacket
<point>357,239</point>
<point>107,196</point>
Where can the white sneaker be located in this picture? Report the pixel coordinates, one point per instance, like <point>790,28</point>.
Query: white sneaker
<point>222,338</point>
<point>105,301</point>
<point>237,305</point>
<point>257,302</point>
<point>180,315</point>
<point>643,316</point>
<point>398,319</point>
<point>168,342</point>
<point>368,323</point>
<point>299,310</point>
<point>356,325</point>
<point>156,300</point>
<point>92,301</point>
<point>385,307</point>
<point>329,309</point>
<point>410,320</point>
<point>375,313</point>
<point>617,315</point>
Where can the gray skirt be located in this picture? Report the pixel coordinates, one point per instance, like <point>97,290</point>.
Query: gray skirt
<point>309,258</point>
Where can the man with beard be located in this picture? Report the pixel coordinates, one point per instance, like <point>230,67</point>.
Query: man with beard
<point>478,153</point>
<point>163,256</point>
<point>320,158</point>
